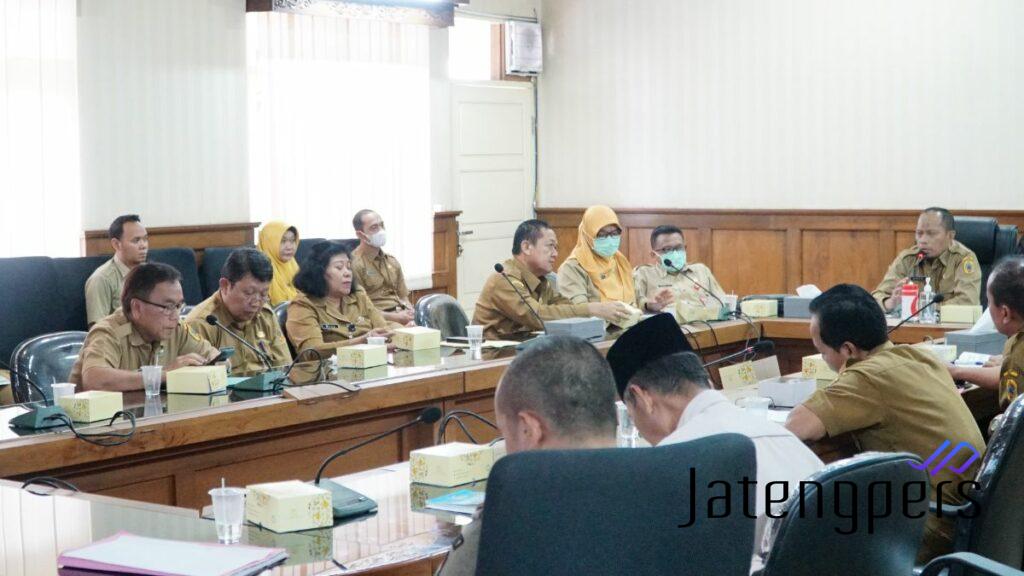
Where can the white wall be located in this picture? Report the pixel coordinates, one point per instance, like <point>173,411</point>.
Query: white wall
<point>163,111</point>
<point>782,104</point>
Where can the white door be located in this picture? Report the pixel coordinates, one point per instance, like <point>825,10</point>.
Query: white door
<point>493,175</point>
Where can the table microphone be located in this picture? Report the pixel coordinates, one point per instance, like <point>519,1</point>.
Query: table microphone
<point>264,359</point>
<point>348,502</point>
<point>668,263</point>
<point>935,300</point>
<point>501,270</point>
<point>37,418</point>
<point>760,347</point>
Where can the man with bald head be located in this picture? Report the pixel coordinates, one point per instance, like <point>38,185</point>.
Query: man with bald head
<point>952,267</point>
<point>558,394</point>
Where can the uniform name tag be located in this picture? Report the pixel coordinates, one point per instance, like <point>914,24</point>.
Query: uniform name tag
<point>330,326</point>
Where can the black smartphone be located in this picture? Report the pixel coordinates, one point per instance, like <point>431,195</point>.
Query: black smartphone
<point>225,353</point>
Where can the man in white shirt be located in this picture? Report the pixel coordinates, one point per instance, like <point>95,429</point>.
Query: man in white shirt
<point>668,395</point>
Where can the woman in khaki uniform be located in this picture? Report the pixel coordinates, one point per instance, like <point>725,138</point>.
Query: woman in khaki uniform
<point>330,309</point>
<point>596,271</point>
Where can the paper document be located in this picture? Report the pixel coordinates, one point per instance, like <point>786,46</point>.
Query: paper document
<point>460,502</point>
<point>486,344</point>
<point>125,553</point>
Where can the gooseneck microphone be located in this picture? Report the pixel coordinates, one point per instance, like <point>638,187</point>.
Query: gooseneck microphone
<point>343,498</point>
<point>38,418</point>
<point>264,358</point>
<point>454,415</point>
<point>668,263</point>
<point>501,270</point>
<point>760,347</point>
<point>935,300</point>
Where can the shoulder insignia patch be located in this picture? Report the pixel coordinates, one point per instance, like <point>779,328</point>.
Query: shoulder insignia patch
<point>969,266</point>
<point>188,329</point>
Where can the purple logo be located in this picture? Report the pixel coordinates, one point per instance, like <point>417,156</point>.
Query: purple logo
<point>938,452</point>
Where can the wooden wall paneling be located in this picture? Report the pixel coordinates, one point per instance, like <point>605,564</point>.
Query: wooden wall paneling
<point>795,266</point>
<point>96,242</point>
<point>749,261</point>
<point>834,257</point>
<point>480,403</point>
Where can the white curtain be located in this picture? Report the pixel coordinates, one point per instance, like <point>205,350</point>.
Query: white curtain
<point>340,121</point>
<point>40,210</point>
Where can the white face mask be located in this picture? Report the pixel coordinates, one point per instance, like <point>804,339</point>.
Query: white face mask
<point>379,239</point>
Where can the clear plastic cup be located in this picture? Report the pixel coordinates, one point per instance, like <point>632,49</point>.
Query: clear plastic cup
<point>377,341</point>
<point>62,389</point>
<point>228,513</point>
<point>154,407</point>
<point>756,405</point>
<point>475,334</point>
<point>151,376</point>
<point>730,301</point>
<point>626,435</point>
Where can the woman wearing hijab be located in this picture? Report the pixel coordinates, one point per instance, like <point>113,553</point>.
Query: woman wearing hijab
<point>596,271</point>
<point>279,242</point>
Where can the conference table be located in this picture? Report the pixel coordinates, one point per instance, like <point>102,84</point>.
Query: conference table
<point>184,445</point>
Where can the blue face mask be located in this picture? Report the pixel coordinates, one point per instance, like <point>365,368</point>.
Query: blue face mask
<point>676,260</point>
<point>607,246</point>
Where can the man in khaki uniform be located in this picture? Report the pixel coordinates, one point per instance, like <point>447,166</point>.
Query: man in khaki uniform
<point>379,273</point>
<point>663,286</point>
<point>1006,307</point>
<point>103,288</point>
<point>952,267</point>
<point>146,331</point>
<point>891,398</point>
<point>502,312</point>
<point>241,304</point>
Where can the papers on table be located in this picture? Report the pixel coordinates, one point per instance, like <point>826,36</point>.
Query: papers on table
<point>460,502</point>
<point>125,553</point>
<point>486,344</point>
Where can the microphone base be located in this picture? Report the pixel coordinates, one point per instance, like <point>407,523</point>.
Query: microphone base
<point>37,419</point>
<point>347,503</point>
<point>264,382</point>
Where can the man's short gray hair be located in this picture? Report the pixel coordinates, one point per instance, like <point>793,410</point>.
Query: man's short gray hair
<point>680,373</point>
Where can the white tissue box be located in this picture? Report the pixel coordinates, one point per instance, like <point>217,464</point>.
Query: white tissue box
<point>288,506</point>
<point>362,356</point>
<point>787,392</point>
<point>960,314</point>
<point>815,367</point>
<point>450,464</point>
<point>92,406</point>
<point>417,338</point>
<point>760,308</point>
<point>197,380</point>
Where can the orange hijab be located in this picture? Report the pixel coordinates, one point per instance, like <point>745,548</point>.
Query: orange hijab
<point>281,288</point>
<point>613,276</point>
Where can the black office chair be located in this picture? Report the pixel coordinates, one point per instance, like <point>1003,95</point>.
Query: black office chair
<point>281,312</point>
<point>992,524</point>
<point>72,274</point>
<point>965,560</point>
<point>31,303</point>
<point>213,260</point>
<point>441,312</point>
<point>988,240</point>
<point>616,511</point>
<point>305,246</point>
<point>807,540</point>
<point>44,360</point>
<point>184,260</point>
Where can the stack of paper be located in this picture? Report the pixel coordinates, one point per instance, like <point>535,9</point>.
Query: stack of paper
<point>460,502</point>
<point>125,553</point>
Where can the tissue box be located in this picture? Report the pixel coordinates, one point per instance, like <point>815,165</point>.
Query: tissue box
<point>990,343</point>
<point>288,506</point>
<point>412,358</point>
<point>362,356</point>
<point>787,392</point>
<point>737,375</point>
<point>417,338</point>
<point>450,464</point>
<point>92,406</point>
<point>188,402</point>
<point>797,306</point>
<point>760,308</point>
<point>687,312</point>
<point>816,368</point>
<point>197,380</point>
<point>945,352</point>
<point>961,314</point>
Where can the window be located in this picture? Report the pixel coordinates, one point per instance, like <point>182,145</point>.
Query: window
<point>470,48</point>
<point>39,175</point>
<point>339,120</point>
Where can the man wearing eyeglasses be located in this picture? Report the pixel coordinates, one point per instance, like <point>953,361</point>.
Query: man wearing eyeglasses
<point>145,331</point>
<point>241,304</point>
<point>674,279</point>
